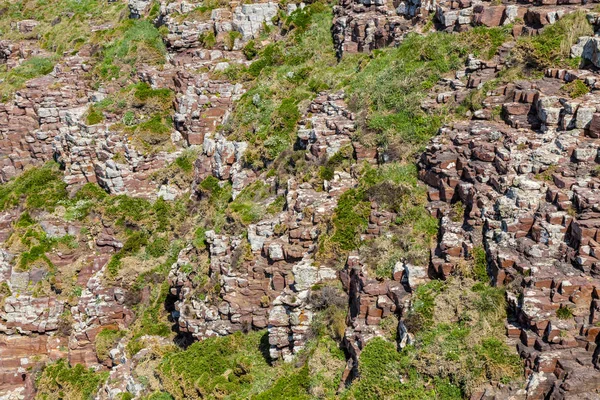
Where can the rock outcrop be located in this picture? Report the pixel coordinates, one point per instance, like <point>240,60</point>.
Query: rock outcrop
<point>523,188</point>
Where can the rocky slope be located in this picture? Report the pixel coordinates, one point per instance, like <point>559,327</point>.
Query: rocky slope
<point>351,200</point>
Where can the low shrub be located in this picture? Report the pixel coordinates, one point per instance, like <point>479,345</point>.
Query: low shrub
<point>158,247</point>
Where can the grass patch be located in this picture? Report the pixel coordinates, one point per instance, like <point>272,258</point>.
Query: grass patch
<point>564,313</point>
<point>215,367</point>
<point>14,79</point>
<point>105,341</point>
<point>247,206</point>
<point>386,374</point>
<point>459,334</point>
<point>134,43</point>
<point>552,47</point>
<point>36,188</point>
<point>61,381</point>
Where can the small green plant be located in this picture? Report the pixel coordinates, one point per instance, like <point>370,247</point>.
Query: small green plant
<point>250,50</point>
<point>458,212</point>
<point>105,341</point>
<point>480,264</point>
<point>564,312</point>
<point>129,118</point>
<point>208,39</point>
<point>200,238</point>
<point>576,88</point>
<point>94,116</point>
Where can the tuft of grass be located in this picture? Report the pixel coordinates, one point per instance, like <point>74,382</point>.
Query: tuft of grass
<point>94,116</point>
<point>480,264</point>
<point>105,341</point>
<point>576,88</point>
<point>564,313</point>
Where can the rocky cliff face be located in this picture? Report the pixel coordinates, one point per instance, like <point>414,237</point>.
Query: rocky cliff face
<point>164,183</point>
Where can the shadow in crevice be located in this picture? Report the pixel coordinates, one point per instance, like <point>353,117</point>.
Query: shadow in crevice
<point>182,339</point>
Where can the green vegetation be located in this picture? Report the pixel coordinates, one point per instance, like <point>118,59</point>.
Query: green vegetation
<point>94,116</point>
<point>14,79</point>
<point>132,44</point>
<point>216,366</point>
<point>143,112</point>
<point>480,264</point>
<point>284,75</point>
<point>459,344</point>
<point>576,88</point>
<point>234,367</point>
<point>396,189</point>
<point>105,341</point>
<point>458,326</point>
<point>144,92</point>
<point>36,188</point>
<point>552,47</point>
<point>158,247</point>
<point>564,313</point>
<point>381,368</point>
<point>36,244</point>
<point>61,381</point>
<point>64,25</point>
<point>350,219</point>
<point>457,323</point>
